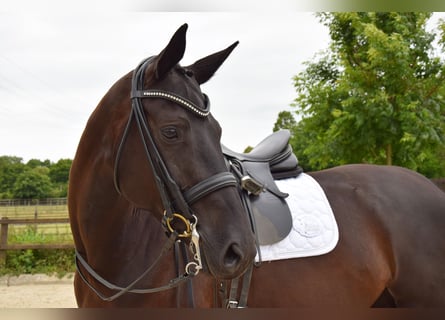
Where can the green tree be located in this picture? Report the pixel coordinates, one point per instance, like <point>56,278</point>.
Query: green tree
<point>33,163</point>
<point>35,179</point>
<point>60,171</point>
<point>285,121</point>
<point>377,94</point>
<point>32,184</point>
<point>10,168</point>
<point>59,175</point>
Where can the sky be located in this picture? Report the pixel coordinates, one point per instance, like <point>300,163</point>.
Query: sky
<point>55,66</point>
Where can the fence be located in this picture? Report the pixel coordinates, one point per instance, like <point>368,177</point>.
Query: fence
<point>44,217</point>
<point>37,209</point>
<point>19,208</point>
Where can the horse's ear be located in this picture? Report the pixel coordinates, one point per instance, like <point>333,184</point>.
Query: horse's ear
<point>204,68</point>
<point>172,53</point>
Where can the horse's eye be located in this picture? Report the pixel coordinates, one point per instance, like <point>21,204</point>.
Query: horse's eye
<point>170,132</point>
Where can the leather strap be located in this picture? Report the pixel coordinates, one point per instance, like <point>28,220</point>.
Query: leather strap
<point>233,302</point>
<point>180,249</point>
<point>167,187</point>
<point>213,183</point>
<point>121,290</point>
<point>247,277</point>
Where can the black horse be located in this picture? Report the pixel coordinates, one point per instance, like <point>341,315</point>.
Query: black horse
<point>150,163</point>
<point>150,140</point>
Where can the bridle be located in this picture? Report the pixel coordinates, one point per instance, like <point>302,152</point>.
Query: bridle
<point>177,203</point>
<point>173,198</point>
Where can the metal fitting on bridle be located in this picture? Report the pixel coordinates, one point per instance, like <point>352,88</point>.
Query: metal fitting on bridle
<point>188,225</point>
<point>192,267</point>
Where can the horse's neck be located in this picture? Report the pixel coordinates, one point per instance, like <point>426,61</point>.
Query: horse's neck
<point>114,231</point>
<point>119,240</point>
<point>125,233</point>
<point>122,241</point>
<point>128,242</point>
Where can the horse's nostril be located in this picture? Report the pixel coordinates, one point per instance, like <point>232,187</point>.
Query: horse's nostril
<point>233,256</point>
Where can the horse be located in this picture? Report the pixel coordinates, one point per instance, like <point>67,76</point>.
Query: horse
<point>390,252</point>
<point>390,219</point>
<point>149,164</point>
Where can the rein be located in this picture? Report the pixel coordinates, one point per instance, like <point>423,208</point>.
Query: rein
<point>175,201</point>
<point>129,289</point>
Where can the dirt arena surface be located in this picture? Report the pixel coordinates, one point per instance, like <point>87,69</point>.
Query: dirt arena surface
<point>37,291</point>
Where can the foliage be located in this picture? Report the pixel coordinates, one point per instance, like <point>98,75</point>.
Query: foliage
<point>10,168</point>
<point>49,261</point>
<point>60,171</point>
<point>31,184</point>
<point>285,121</point>
<point>33,163</point>
<point>34,180</point>
<point>59,175</point>
<point>377,96</point>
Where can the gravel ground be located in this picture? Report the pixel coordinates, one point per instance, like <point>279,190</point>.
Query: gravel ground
<point>37,291</point>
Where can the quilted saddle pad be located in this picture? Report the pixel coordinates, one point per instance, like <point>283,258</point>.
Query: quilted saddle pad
<point>314,229</point>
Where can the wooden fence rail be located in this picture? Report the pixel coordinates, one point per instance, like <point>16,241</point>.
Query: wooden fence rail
<point>4,246</point>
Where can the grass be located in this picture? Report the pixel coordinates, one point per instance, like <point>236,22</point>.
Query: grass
<point>60,232</point>
<point>48,261</point>
<point>33,234</point>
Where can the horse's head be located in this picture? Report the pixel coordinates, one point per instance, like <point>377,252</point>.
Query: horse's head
<point>170,158</point>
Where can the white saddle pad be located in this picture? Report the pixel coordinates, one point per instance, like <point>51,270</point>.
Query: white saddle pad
<point>314,229</point>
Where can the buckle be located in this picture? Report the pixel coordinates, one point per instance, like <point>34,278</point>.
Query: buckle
<point>252,185</point>
<point>232,304</point>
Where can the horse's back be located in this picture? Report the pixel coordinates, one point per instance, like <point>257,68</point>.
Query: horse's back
<point>407,211</point>
<point>408,195</point>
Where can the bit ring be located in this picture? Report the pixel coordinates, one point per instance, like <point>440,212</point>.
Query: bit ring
<point>188,230</point>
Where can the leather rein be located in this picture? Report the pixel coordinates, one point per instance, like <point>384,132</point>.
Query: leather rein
<point>176,202</point>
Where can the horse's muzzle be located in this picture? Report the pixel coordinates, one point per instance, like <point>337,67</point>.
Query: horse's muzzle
<point>232,261</point>
<point>232,257</point>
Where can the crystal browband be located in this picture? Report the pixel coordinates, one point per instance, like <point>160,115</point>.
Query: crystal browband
<point>175,98</point>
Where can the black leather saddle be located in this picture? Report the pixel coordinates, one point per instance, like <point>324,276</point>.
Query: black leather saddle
<point>272,159</point>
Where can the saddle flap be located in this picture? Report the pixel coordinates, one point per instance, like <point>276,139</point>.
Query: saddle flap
<point>273,219</point>
<point>271,214</point>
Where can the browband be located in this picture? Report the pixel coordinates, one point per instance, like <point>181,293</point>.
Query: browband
<point>174,98</point>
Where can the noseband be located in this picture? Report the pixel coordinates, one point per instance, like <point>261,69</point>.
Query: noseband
<point>176,202</point>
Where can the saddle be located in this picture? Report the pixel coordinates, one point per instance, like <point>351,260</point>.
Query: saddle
<point>272,159</point>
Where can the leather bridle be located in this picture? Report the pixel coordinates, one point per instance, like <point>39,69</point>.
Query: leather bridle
<point>176,202</point>
<point>173,198</point>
